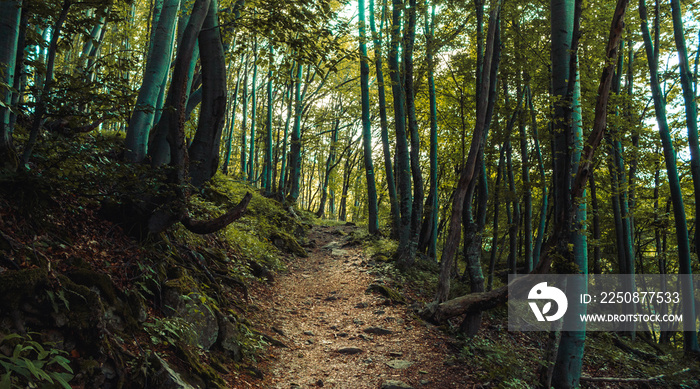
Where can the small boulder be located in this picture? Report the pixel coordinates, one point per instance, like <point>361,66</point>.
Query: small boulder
<point>386,291</point>
<point>399,364</point>
<point>394,384</point>
<point>378,331</point>
<point>349,350</point>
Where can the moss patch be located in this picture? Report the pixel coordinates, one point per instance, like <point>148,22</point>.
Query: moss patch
<point>388,292</point>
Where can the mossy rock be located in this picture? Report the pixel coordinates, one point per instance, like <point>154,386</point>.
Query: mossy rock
<point>15,286</point>
<point>118,314</point>
<point>286,243</point>
<point>388,292</point>
<point>181,299</point>
<point>184,284</point>
<point>382,258</point>
<point>230,337</point>
<point>101,281</point>
<point>207,373</point>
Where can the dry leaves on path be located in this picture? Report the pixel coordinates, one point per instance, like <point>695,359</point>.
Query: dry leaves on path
<point>337,335</point>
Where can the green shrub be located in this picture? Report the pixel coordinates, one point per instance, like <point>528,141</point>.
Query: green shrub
<point>31,364</point>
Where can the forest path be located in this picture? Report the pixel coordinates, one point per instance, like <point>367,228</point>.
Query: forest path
<point>339,336</point>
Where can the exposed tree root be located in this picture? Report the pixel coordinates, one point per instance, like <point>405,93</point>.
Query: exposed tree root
<point>649,380</point>
<point>210,226</point>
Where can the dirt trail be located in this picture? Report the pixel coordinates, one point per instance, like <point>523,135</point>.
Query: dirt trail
<point>339,336</point>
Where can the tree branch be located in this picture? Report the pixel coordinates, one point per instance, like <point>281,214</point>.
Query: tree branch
<point>210,226</point>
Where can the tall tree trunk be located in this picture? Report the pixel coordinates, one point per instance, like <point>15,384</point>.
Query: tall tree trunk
<point>408,256</point>
<point>20,80</point>
<point>527,196</point>
<point>430,36</point>
<point>253,115</point>
<point>157,67</point>
<point>467,172</point>
<point>330,164</point>
<point>691,109</point>
<point>386,147</point>
<point>402,155</point>
<point>229,138</point>
<point>690,340</point>
<point>596,225</point>
<point>40,109</point>
<point>569,359</point>
<point>267,182</point>
<point>204,151</point>
<point>244,124</point>
<point>373,221</point>
<point>295,147</point>
<point>347,174</point>
<point>10,14</point>
<point>537,248</point>
<point>283,169</point>
<point>172,121</point>
<point>513,209</point>
<point>496,207</point>
<point>564,22</point>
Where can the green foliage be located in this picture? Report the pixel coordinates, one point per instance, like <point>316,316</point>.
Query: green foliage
<point>32,364</point>
<point>502,358</point>
<point>171,330</point>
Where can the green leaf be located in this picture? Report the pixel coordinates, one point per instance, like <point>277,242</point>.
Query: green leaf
<point>5,382</point>
<point>10,337</point>
<point>62,379</point>
<point>32,369</point>
<point>43,354</point>
<point>63,362</point>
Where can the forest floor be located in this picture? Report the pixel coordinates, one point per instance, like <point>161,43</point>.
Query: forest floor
<point>338,335</point>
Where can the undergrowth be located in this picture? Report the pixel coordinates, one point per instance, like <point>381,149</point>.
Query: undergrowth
<point>51,217</point>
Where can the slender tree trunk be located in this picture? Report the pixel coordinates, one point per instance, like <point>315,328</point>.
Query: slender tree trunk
<point>596,225</point>
<point>496,207</point>
<point>40,109</point>
<point>418,192</point>
<point>20,79</point>
<point>386,147</point>
<point>527,196</point>
<point>172,121</point>
<point>253,115</point>
<point>229,138</point>
<point>513,209</point>
<point>244,125</point>
<point>467,172</point>
<point>204,151</point>
<point>330,164</point>
<point>295,147</point>
<point>373,222</point>
<point>569,360</point>
<point>537,248</point>
<point>157,67</point>
<point>402,155</point>
<point>10,14</point>
<point>283,169</point>
<point>691,108</point>
<point>565,13</point>
<point>690,340</point>
<point>267,182</point>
